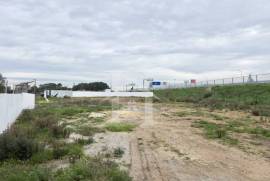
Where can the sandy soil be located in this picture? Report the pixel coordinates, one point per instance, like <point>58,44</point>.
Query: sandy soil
<point>166,148</point>
<point>106,143</point>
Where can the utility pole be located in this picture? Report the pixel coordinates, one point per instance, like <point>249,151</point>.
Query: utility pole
<point>149,79</point>
<point>240,72</point>
<point>35,88</point>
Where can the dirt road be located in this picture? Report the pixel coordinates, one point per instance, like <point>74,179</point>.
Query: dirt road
<point>171,150</point>
<point>165,147</point>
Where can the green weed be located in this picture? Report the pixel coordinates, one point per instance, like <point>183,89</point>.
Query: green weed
<point>118,152</point>
<point>120,127</point>
<point>215,131</point>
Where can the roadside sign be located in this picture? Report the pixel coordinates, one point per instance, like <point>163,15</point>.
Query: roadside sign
<point>156,83</point>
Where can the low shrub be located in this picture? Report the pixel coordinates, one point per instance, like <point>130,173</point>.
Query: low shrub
<point>118,152</point>
<point>45,122</point>
<point>57,131</point>
<point>255,112</point>
<point>59,150</point>
<point>85,141</point>
<point>17,147</point>
<point>207,95</point>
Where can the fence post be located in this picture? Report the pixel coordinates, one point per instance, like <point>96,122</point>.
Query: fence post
<point>223,81</point>
<point>256,78</point>
<point>232,80</point>
<point>243,79</point>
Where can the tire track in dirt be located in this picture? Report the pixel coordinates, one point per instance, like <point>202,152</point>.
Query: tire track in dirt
<point>145,158</point>
<point>137,171</point>
<point>169,149</point>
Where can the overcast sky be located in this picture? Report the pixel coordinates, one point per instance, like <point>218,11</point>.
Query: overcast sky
<point>128,40</point>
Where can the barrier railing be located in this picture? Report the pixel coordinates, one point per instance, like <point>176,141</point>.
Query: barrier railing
<point>257,78</point>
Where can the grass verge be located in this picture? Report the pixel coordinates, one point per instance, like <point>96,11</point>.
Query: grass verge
<point>254,97</point>
<point>120,127</point>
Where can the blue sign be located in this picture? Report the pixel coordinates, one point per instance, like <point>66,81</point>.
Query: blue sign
<point>156,83</point>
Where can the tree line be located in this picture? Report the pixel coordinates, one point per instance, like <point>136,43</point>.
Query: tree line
<point>93,86</point>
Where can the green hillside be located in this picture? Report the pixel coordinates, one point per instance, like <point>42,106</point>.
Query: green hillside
<point>255,97</point>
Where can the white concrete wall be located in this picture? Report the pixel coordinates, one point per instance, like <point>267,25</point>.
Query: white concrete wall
<point>61,93</point>
<point>111,94</point>
<point>11,106</point>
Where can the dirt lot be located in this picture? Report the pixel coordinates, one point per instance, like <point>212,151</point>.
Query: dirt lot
<point>165,146</point>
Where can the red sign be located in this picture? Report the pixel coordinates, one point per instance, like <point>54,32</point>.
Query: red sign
<point>193,81</point>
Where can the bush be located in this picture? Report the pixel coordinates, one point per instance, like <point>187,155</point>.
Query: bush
<point>50,123</point>
<point>13,147</point>
<point>45,121</point>
<point>59,150</point>
<point>255,113</point>
<point>118,152</point>
<point>85,141</point>
<point>207,95</point>
<point>57,131</point>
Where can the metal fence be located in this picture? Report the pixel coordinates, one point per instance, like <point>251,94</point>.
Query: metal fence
<point>250,79</point>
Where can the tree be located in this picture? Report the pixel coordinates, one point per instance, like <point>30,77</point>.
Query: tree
<point>2,88</point>
<point>51,86</point>
<point>94,86</point>
<point>2,84</point>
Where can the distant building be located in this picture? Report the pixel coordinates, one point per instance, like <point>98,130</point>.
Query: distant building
<point>25,87</point>
<point>22,87</point>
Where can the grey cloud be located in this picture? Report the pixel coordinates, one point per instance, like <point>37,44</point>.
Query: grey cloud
<point>177,38</point>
